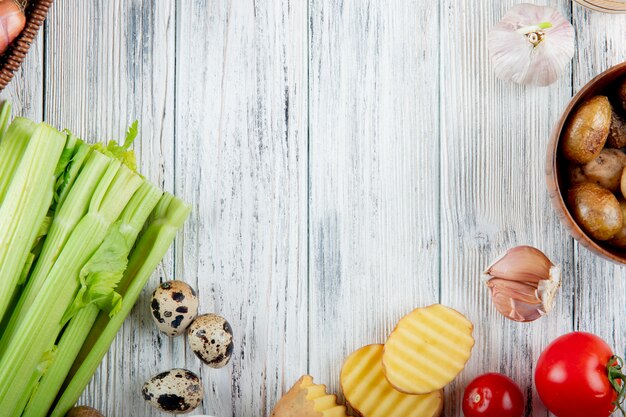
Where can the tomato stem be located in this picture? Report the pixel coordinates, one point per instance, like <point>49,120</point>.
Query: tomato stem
<point>617,380</point>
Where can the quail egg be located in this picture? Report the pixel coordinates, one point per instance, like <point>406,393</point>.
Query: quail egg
<point>211,338</point>
<point>177,391</point>
<point>174,306</point>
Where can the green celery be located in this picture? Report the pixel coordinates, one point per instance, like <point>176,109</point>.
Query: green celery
<point>12,149</point>
<point>67,217</point>
<point>45,363</point>
<point>86,311</point>
<point>5,117</point>
<point>101,275</point>
<point>44,315</point>
<point>66,179</point>
<point>122,152</point>
<point>71,145</point>
<point>168,217</point>
<point>26,203</point>
<point>35,250</point>
<point>30,260</point>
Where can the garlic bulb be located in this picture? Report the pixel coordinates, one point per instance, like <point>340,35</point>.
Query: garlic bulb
<point>523,283</point>
<point>531,45</point>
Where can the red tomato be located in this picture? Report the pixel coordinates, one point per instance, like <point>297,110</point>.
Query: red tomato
<point>572,377</point>
<point>493,395</point>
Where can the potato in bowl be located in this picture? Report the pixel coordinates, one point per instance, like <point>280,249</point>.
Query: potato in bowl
<point>586,164</point>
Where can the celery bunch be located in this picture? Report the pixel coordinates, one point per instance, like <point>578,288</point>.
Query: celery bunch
<point>80,234</point>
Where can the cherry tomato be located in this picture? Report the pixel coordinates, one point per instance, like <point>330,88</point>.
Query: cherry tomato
<point>493,395</point>
<point>577,375</point>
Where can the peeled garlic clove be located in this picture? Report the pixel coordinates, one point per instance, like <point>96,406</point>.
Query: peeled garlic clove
<point>523,283</point>
<point>531,45</point>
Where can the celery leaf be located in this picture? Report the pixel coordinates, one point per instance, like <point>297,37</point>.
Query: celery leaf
<point>114,150</point>
<point>131,134</point>
<point>121,152</point>
<point>101,274</point>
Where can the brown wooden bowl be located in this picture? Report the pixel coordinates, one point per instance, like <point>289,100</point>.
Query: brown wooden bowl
<point>606,6</point>
<point>11,60</point>
<point>555,166</point>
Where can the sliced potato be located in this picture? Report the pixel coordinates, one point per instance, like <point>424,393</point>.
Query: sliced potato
<point>306,399</point>
<point>369,393</point>
<point>427,349</point>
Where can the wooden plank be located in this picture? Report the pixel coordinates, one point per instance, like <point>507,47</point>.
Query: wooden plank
<point>25,91</point>
<point>109,63</point>
<point>241,155</point>
<point>493,139</point>
<point>600,286</point>
<point>374,167</point>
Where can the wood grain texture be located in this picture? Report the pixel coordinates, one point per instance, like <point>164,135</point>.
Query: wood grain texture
<point>374,172</point>
<point>347,161</point>
<point>241,161</point>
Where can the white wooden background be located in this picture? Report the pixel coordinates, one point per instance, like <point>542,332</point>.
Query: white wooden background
<point>347,161</point>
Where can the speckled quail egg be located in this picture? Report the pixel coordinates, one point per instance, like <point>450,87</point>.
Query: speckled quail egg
<point>177,391</point>
<point>211,339</point>
<point>174,306</point>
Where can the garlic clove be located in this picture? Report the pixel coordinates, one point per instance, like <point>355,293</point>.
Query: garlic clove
<point>521,291</point>
<point>515,300</point>
<point>522,263</point>
<point>523,283</point>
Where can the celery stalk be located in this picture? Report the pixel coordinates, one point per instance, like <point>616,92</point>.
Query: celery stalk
<point>35,250</point>
<point>128,227</point>
<point>5,116</point>
<point>66,180</point>
<point>46,361</point>
<point>65,220</point>
<point>67,159</point>
<point>71,145</point>
<point>57,293</point>
<point>12,149</point>
<point>102,274</point>
<point>167,219</point>
<point>26,203</point>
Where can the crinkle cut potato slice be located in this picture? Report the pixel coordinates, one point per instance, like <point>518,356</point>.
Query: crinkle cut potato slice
<point>306,399</point>
<point>369,394</point>
<point>427,349</point>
